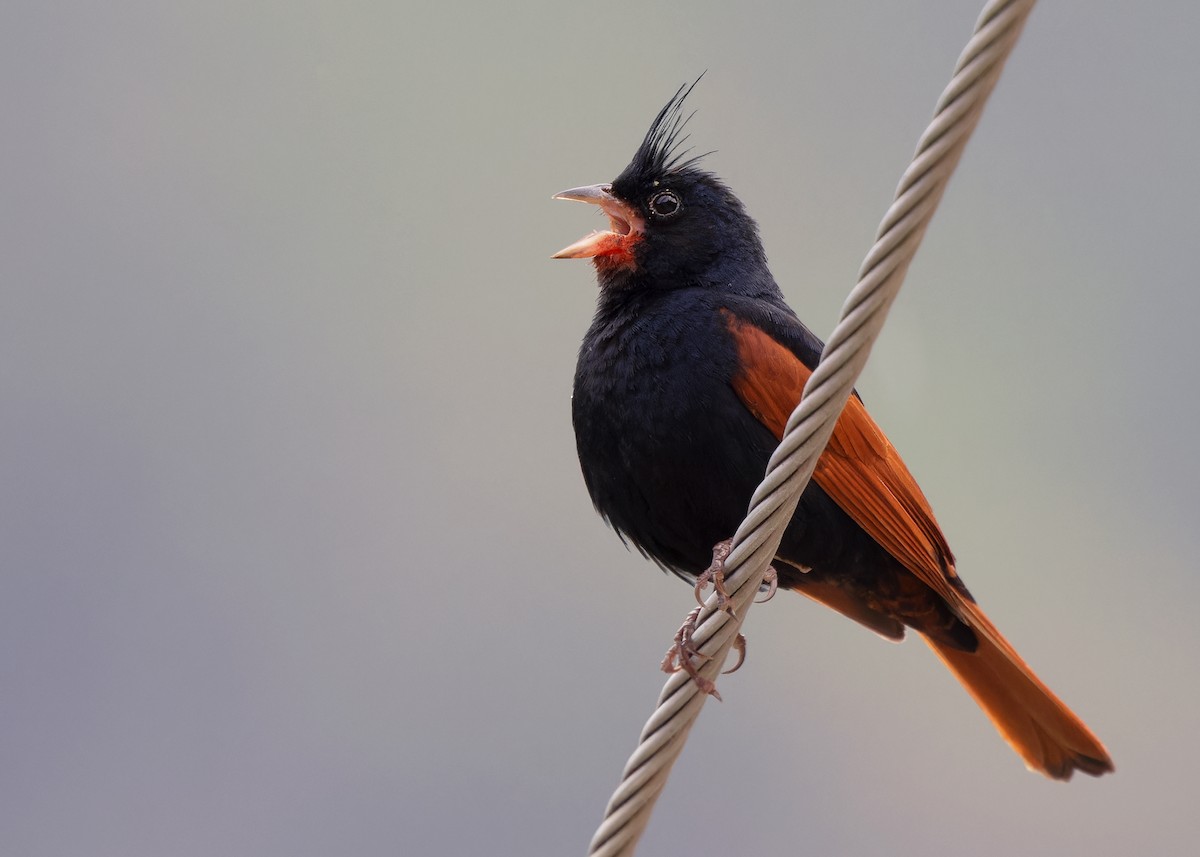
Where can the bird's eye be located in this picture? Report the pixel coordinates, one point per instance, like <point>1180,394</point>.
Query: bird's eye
<point>665,203</point>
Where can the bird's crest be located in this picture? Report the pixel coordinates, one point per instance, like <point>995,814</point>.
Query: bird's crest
<point>659,152</point>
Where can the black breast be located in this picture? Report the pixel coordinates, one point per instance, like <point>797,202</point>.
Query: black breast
<point>669,453</point>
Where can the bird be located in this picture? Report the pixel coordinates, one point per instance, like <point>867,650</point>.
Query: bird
<point>685,380</point>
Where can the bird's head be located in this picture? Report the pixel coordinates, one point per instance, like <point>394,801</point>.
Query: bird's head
<point>671,224</point>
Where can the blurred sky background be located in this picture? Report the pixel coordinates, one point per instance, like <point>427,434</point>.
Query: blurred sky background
<point>295,557</point>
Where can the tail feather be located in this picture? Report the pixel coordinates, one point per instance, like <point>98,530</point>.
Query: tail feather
<point>1035,722</point>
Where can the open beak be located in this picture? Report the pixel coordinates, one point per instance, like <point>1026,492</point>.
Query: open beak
<point>625,224</point>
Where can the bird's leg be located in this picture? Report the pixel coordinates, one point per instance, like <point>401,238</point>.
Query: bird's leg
<point>715,574</point>
<point>679,656</point>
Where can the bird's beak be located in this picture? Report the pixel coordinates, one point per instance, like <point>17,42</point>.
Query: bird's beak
<point>626,224</point>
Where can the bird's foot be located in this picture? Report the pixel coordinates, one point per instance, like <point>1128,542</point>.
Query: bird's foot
<point>684,654</point>
<point>680,656</point>
<point>715,574</point>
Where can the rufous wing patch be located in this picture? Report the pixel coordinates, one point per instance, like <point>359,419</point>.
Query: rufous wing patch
<point>860,469</point>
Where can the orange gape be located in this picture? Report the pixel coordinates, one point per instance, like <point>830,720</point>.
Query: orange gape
<point>862,472</point>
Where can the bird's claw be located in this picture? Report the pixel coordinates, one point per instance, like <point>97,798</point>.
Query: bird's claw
<point>771,581</point>
<point>715,574</point>
<point>679,656</point>
<point>739,644</point>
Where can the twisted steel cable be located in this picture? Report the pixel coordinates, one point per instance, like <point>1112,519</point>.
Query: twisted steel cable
<point>811,424</point>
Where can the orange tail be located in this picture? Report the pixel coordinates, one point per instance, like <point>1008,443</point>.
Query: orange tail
<point>1046,734</point>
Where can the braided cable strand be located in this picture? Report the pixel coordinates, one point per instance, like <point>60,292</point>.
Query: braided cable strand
<point>811,424</point>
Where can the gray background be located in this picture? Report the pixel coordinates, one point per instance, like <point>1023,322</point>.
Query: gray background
<point>294,554</point>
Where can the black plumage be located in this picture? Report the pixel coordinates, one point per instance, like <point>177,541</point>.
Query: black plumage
<point>685,377</point>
